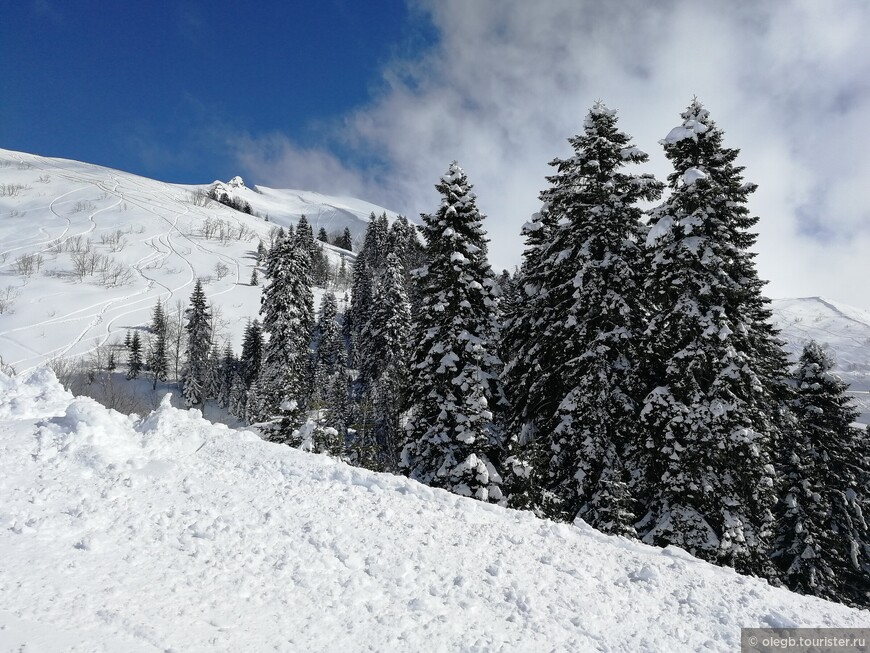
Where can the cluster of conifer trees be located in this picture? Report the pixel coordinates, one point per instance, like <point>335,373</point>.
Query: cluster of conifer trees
<point>627,374</point>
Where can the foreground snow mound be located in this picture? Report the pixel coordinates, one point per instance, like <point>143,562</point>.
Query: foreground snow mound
<point>171,534</point>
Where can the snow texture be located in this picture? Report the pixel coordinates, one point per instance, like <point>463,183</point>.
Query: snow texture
<point>170,533</point>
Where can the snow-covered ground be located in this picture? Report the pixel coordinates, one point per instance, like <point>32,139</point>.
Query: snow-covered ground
<point>152,238</point>
<point>169,533</point>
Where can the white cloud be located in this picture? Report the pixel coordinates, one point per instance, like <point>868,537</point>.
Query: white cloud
<point>510,80</point>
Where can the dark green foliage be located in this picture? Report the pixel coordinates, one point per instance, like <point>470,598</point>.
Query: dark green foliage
<point>452,438</point>
<point>158,355</point>
<point>585,315</point>
<point>713,359</point>
<point>134,360</point>
<point>287,310</point>
<point>196,370</point>
<point>823,544</point>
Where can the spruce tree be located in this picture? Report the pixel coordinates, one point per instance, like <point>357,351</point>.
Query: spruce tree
<point>345,240</point>
<point>287,310</point>
<point>367,268</point>
<point>590,327</point>
<point>255,279</point>
<point>322,235</point>
<point>214,376</point>
<point>714,364</point>
<point>158,364</point>
<point>198,327</point>
<point>228,368</point>
<point>386,345</point>
<point>533,391</point>
<point>252,353</point>
<point>329,347</point>
<point>823,544</point>
<point>134,361</point>
<point>452,439</point>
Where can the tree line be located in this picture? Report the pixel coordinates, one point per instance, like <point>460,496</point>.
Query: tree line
<point>627,374</point>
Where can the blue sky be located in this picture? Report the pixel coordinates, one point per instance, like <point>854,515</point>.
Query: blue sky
<point>156,87</point>
<point>374,99</point>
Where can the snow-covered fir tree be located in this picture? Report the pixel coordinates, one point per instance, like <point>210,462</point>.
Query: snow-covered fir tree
<point>252,352</point>
<point>287,308</point>
<point>452,438</point>
<point>590,326</point>
<point>215,373</point>
<point>134,360</point>
<point>196,368</point>
<point>345,240</point>
<point>228,368</point>
<point>385,350</point>
<point>158,363</point>
<point>822,545</point>
<point>329,348</point>
<point>368,266</point>
<point>716,369</point>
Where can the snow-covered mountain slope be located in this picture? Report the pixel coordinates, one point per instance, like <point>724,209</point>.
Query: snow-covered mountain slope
<point>172,534</point>
<point>844,330</point>
<point>86,251</point>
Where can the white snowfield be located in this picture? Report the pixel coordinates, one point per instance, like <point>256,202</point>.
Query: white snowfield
<point>86,251</point>
<point>171,534</point>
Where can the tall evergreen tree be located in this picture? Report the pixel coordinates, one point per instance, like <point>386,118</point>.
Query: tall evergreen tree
<point>823,544</point>
<point>196,370</point>
<point>329,354</point>
<point>591,325</point>
<point>214,375</point>
<point>713,359</point>
<point>134,361</point>
<point>345,240</point>
<point>386,350</point>
<point>252,353</point>
<point>322,235</point>
<point>287,308</point>
<point>452,440</point>
<point>367,268</point>
<point>158,363</point>
<point>228,368</point>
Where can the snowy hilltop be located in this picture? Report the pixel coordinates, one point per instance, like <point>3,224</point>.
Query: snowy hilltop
<point>168,533</point>
<point>86,251</point>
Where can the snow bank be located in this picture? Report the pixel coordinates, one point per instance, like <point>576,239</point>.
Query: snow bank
<point>170,534</point>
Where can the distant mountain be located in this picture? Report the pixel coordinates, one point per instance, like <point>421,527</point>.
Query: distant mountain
<point>844,330</point>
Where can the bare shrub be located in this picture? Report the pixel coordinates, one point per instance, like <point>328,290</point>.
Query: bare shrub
<point>114,240</point>
<point>12,190</point>
<point>27,264</point>
<point>65,369</point>
<point>7,297</point>
<point>221,270</point>
<point>245,232</point>
<point>200,197</point>
<point>83,205</point>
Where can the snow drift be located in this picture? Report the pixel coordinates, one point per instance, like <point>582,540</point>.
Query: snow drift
<point>169,533</point>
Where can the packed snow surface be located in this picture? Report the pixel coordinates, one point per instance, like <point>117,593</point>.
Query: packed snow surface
<point>171,534</point>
